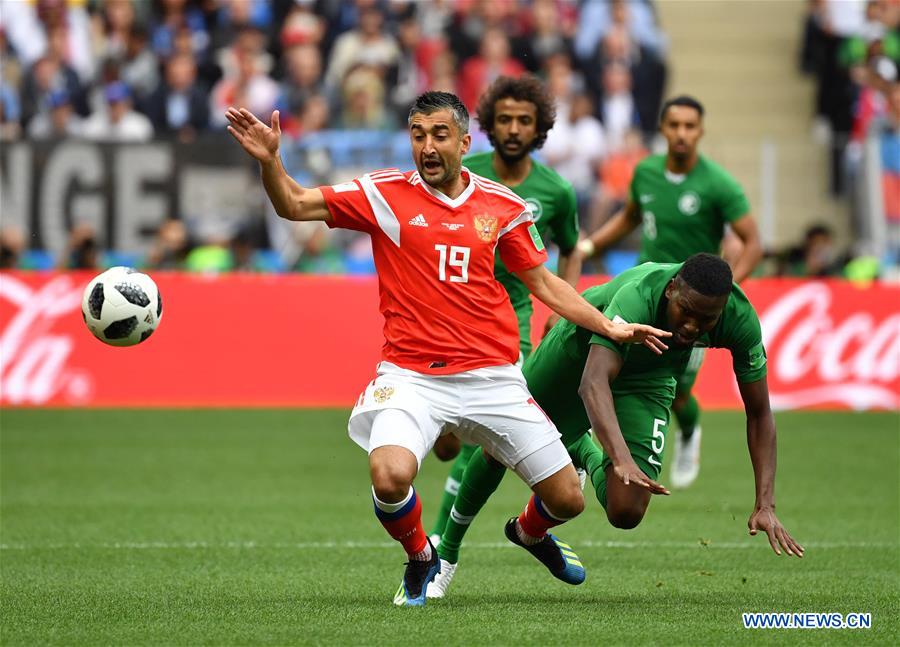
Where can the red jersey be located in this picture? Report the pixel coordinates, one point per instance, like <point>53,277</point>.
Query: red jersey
<point>444,312</point>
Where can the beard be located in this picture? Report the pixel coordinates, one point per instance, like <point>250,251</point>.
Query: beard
<point>511,157</point>
<point>443,175</point>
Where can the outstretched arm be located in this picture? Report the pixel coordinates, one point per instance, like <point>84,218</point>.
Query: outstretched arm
<point>762,446</point>
<point>562,298</point>
<point>291,201</point>
<point>612,231</point>
<point>601,368</point>
<point>751,250</point>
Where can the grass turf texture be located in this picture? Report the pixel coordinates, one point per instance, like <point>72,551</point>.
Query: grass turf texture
<point>255,527</point>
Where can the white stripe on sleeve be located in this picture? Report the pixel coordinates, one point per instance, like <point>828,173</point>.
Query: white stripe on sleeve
<point>384,215</point>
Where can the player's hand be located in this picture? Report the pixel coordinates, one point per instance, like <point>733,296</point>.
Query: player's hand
<point>626,333</point>
<point>764,519</point>
<point>629,473</point>
<point>551,321</point>
<point>258,139</point>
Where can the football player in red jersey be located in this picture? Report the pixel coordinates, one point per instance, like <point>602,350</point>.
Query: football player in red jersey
<point>451,336</point>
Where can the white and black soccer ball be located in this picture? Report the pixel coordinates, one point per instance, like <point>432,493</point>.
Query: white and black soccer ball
<point>121,306</point>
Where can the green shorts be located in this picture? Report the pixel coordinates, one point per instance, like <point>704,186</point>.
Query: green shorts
<point>644,423</point>
<point>523,314</point>
<point>685,382</point>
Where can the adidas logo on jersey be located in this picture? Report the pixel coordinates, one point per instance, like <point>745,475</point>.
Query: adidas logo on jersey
<point>419,221</point>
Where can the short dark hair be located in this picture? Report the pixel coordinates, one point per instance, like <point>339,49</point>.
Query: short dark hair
<point>681,100</point>
<point>707,274</point>
<point>525,88</point>
<point>432,101</point>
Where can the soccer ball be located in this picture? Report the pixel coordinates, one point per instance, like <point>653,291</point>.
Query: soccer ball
<point>121,307</point>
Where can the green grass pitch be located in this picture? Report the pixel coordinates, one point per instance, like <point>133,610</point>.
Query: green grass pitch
<point>255,527</point>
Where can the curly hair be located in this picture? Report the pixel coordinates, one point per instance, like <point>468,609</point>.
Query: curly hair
<point>707,274</point>
<point>525,88</point>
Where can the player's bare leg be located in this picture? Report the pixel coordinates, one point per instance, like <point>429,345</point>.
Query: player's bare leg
<point>397,506</point>
<point>626,505</point>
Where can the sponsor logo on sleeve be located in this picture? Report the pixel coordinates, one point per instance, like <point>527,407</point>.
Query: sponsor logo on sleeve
<point>344,187</point>
<point>536,237</point>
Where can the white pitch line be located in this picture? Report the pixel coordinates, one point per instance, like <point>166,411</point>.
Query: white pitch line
<point>329,545</point>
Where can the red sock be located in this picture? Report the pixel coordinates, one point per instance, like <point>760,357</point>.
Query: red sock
<point>535,520</point>
<point>403,521</point>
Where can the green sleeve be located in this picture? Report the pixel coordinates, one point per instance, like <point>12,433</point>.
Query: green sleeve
<point>628,305</point>
<point>732,202</point>
<point>565,225</point>
<point>748,355</point>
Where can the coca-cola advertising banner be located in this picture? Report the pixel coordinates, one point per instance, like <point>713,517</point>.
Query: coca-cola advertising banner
<point>296,340</point>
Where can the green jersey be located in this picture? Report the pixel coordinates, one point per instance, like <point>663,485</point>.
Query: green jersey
<point>684,214</point>
<point>637,296</point>
<point>552,203</point>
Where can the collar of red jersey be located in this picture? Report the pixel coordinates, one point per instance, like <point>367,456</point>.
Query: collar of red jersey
<point>459,200</point>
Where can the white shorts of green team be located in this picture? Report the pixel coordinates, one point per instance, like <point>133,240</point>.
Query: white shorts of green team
<point>491,407</point>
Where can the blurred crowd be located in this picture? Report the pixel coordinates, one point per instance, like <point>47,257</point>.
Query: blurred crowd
<point>136,70</point>
<point>132,70</point>
<point>129,69</point>
<point>852,50</point>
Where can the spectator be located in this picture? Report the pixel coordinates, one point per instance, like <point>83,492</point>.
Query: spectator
<point>303,80</point>
<point>116,22</point>
<point>599,16</point>
<point>68,31</point>
<point>82,250</point>
<point>10,112</point>
<point>170,16</point>
<point>408,77</point>
<point>179,104</point>
<point>442,72</point>
<point>170,248</point>
<point>546,38</point>
<point>139,68</point>
<point>618,110</point>
<point>119,122</point>
<point>367,44</point>
<point>234,16</point>
<point>815,258</point>
<point>494,60</point>
<point>12,245</point>
<point>615,174</point>
<point>472,22</point>
<point>302,27</point>
<point>646,70</point>
<point>363,106</point>
<point>249,41</point>
<point>58,120</point>
<point>48,75</point>
<point>246,86</point>
<point>576,145</point>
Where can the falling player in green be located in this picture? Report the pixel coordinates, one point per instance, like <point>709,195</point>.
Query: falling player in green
<point>516,114</point>
<point>683,201</point>
<point>583,381</point>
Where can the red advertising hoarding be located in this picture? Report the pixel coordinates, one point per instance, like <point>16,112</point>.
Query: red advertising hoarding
<point>297,340</point>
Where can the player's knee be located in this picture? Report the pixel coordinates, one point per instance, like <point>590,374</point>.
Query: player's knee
<point>390,482</point>
<point>447,447</point>
<point>624,518</point>
<point>567,503</point>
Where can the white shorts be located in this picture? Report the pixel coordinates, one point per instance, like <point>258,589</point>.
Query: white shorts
<point>490,407</point>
